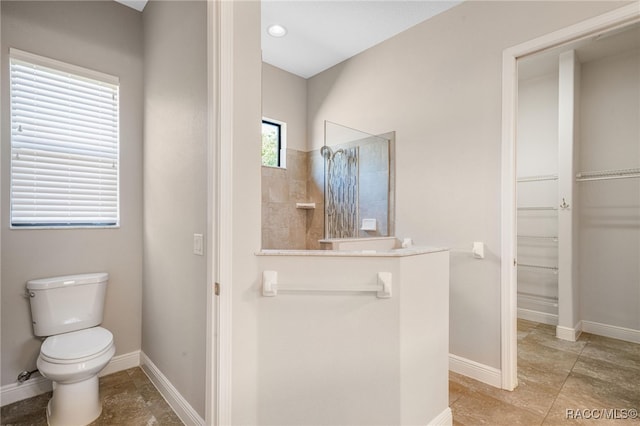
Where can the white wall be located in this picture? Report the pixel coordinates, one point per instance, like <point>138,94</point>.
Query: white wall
<point>107,37</point>
<point>538,126</point>
<point>175,193</point>
<point>438,85</point>
<point>337,359</point>
<point>610,210</point>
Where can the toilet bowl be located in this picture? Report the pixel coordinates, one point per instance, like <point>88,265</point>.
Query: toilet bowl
<point>67,311</point>
<point>72,361</point>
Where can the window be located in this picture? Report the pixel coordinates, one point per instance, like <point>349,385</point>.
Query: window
<point>64,144</point>
<point>273,149</point>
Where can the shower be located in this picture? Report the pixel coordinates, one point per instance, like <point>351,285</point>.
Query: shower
<point>358,183</point>
<point>341,196</point>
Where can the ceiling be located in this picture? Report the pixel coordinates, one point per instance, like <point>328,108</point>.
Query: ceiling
<point>323,33</point>
<point>136,4</point>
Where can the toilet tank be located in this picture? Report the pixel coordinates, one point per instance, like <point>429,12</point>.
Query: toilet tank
<point>67,303</point>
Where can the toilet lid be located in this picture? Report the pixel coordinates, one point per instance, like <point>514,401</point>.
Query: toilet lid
<point>77,344</point>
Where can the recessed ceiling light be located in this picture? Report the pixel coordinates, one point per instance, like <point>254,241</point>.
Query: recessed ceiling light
<point>277,30</point>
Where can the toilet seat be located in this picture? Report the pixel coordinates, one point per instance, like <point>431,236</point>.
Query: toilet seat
<point>77,346</point>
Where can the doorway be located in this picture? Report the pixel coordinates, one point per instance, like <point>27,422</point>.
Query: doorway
<point>554,43</point>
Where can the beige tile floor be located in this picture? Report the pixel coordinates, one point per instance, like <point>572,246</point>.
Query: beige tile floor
<point>128,398</point>
<point>555,376</point>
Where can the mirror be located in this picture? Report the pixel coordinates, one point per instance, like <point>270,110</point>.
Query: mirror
<point>293,192</point>
<point>294,186</point>
<point>357,183</point>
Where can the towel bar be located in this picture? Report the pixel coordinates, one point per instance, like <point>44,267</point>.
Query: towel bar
<point>271,288</point>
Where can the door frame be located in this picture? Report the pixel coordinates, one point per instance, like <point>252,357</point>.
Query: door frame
<point>508,301</point>
<point>219,211</point>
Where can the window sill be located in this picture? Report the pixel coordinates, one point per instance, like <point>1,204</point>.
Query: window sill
<point>27,228</point>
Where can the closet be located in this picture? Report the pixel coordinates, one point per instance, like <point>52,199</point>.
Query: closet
<point>578,168</point>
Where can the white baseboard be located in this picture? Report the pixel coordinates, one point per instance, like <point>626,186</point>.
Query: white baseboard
<point>443,419</point>
<point>536,316</point>
<point>37,385</point>
<point>14,392</point>
<point>567,333</point>
<point>121,362</point>
<point>475,370</point>
<point>180,406</point>
<point>621,333</point>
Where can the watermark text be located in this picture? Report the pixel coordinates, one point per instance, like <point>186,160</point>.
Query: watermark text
<point>601,413</point>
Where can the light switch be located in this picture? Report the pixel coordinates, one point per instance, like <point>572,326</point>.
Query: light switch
<point>198,244</point>
<point>478,250</point>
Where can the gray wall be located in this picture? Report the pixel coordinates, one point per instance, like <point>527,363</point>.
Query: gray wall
<point>175,196</point>
<point>284,98</point>
<point>107,37</point>
<point>441,82</point>
<point>610,210</point>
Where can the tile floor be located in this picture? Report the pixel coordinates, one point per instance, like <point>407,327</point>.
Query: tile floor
<point>128,398</point>
<point>554,376</point>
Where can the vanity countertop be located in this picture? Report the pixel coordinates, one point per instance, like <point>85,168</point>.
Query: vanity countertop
<point>401,252</point>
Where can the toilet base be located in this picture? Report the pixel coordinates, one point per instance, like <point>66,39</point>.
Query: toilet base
<point>74,404</point>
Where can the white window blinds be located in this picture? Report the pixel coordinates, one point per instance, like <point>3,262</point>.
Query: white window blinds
<point>64,144</point>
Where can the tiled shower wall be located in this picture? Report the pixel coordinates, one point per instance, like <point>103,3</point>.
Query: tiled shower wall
<point>286,227</point>
<point>315,192</point>
<point>283,225</point>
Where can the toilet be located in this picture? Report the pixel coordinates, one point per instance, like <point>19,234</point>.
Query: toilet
<point>68,310</point>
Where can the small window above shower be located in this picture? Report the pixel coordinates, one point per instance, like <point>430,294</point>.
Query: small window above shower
<point>274,135</point>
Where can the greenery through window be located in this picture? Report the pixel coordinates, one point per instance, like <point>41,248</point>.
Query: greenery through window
<point>271,143</point>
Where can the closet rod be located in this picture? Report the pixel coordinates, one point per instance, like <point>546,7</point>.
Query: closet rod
<point>608,174</point>
<point>549,268</point>
<point>537,178</point>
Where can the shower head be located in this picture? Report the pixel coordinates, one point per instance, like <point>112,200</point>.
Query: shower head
<point>326,152</point>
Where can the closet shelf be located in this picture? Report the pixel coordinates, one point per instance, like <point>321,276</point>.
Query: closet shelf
<point>306,206</point>
<point>537,208</point>
<point>548,301</point>
<point>537,178</point>
<point>608,174</point>
<point>554,269</point>
<point>539,237</point>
